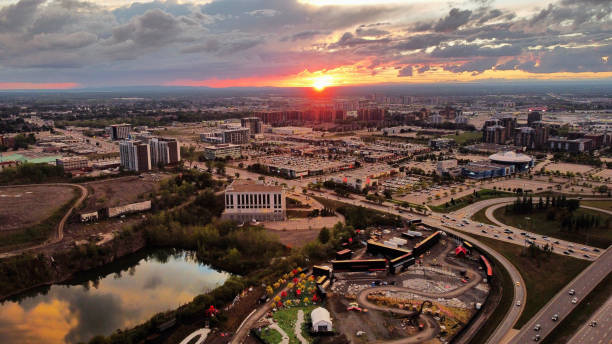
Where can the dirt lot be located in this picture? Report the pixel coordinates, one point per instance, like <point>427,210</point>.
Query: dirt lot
<point>606,173</point>
<point>563,167</point>
<point>116,192</point>
<point>295,238</point>
<point>22,207</point>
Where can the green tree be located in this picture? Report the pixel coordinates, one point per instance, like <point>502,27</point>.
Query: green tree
<point>324,235</point>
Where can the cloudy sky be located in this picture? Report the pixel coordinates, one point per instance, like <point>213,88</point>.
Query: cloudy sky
<point>219,43</point>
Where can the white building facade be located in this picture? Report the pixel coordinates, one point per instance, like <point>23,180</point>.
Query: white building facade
<point>248,200</point>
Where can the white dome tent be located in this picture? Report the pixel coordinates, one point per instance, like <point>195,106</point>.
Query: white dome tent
<point>321,321</point>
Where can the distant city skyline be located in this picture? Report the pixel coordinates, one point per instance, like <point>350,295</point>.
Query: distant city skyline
<point>65,44</point>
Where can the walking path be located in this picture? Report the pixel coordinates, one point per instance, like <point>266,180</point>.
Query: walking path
<point>285,339</point>
<point>298,327</point>
<point>202,333</point>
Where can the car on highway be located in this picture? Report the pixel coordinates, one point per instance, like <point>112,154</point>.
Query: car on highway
<point>495,235</point>
<point>484,231</point>
<point>509,237</point>
<point>518,284</point>
<point>537,327</point>
<point>480,225</point>
<point>584,249</point>
<point>570,250</point>
<point>565,252</point>
<point>586,256</point>
<point>571,292</point>
<point>555,317</point>
<point>518,303</point>
<point>596,250</point>
<point>593,323</point>
<point>536,338</point>
<point>575,300</point>
<point>556,242</point>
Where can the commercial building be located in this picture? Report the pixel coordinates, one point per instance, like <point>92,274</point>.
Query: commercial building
<point>164,151</point>
<point>238,136</point>
<point>446,166</point>
<point>441,143</point>
<point>120,131</point>
<point>247,200</point>
<point>222,151</point>
<point>73,163</point>
<point>485,169</point>
<point>520,162</point>
<point>574,145</point>
<point>291,130</point>
<point>253,123</point>
<point>135,155</point>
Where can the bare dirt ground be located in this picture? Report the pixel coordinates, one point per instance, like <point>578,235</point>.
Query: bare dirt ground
<point>295,238</point>
<point>22,207</point>
<point>564,167</point>
<point>122,191</point>
<point>606,173</point>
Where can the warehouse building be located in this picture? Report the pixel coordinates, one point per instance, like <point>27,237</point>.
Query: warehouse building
<point>73,163</point>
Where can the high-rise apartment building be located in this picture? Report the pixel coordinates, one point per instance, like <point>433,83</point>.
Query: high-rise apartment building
<point>253,123</point>
<point>164,151</point>
<point>135,155</point>
<point>120,131</point>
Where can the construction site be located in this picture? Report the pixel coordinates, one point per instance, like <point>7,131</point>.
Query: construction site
<point>405,287</point>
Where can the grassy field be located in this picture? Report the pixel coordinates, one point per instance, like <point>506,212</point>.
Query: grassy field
<point>271,336</point>
<point>581,314</point>
<point>599,237</point>
<point>605,205</point>
<point>480,217</point>
<point>287,317</point>
<point>558,271</point>
<point>465,137</point>
<point>464,201</point>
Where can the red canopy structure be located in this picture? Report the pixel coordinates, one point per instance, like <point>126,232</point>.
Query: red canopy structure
<point>460,250</point>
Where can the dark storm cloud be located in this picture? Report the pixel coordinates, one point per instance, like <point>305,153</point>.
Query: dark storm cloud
<point>453,20</point>
<point>16,16</point>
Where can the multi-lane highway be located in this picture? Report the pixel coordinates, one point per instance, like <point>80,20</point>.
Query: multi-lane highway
<point>563,303</point>
<point>458,220</point>
<point>598,329</point>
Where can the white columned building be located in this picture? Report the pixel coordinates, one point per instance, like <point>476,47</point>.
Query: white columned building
<point>247,200</point>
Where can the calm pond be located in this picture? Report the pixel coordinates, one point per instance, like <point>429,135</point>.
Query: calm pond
<point>117,296</point>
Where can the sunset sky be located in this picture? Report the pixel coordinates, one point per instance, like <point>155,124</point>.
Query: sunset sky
<point>223,43</point>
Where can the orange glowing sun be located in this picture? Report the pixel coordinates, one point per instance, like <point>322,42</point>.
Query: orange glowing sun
<point>321,82</point>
